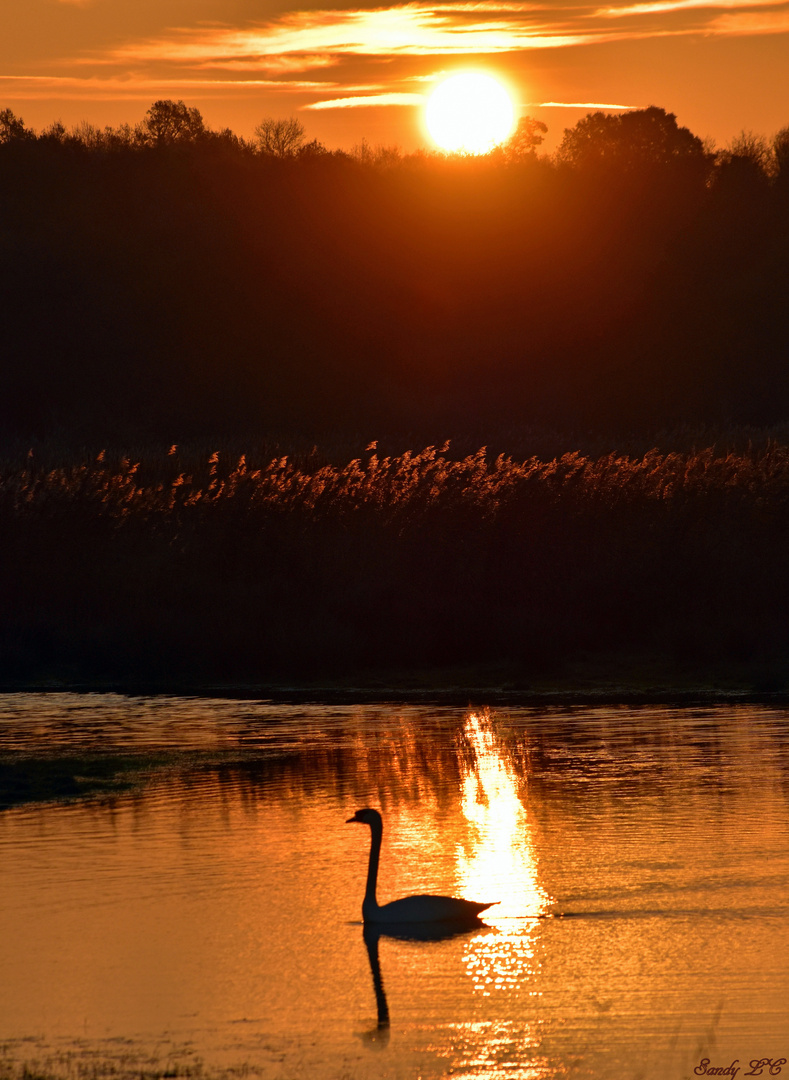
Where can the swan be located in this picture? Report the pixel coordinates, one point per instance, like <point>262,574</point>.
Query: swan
<point>411,909</point>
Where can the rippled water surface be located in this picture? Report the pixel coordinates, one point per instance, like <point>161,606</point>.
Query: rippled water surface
<point>198,906</point>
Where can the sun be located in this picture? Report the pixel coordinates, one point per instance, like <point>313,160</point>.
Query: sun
<point>470,113</point>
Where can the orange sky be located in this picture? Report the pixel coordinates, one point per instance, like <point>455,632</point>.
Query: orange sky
<point>350,72</point>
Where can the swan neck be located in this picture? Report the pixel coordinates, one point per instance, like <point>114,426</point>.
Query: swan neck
<point>376,831</point>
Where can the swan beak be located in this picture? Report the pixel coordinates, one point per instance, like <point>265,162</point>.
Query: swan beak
<point>351,820</point>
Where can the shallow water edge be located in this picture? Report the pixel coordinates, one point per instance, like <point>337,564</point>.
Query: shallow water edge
<point>612,680</point>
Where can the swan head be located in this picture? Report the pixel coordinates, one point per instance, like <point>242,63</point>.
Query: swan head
<point>366,816</point>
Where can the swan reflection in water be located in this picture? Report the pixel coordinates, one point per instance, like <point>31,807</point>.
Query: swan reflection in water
<point>425,931</point>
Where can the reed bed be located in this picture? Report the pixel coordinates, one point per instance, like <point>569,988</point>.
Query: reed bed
<point>112,1059</point>
<point>213,565</point>
<point>166,486</point>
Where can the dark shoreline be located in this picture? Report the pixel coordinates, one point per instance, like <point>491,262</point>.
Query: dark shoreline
<point>455,694</point>
<point>656,579</point>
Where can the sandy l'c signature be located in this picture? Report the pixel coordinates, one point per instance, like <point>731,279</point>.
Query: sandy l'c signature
<point>757,1067</point>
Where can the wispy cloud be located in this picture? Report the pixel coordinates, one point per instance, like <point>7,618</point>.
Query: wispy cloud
<point>579,105</point>
<point>271,63</point>
<point>302,40</point>
<point>357,102</point>
<point>415,29</point>
<point>657,7</point>
<point>368,100</point>
<point>67,87</point>
<point>746,23</point>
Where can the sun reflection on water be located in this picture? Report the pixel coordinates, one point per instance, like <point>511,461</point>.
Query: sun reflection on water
<point>497,1050</point>
<point>498,862</point>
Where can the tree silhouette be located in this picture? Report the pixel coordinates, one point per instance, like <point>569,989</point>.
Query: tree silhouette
<point>279,138</point>
<point>12,128</point>
<point>523,142</point>
<point>754,149</point>
<point>168,122</point>
<point>781,157</point>
<point>55,133</point>
<point>746,165</point>
<point>630,141</point>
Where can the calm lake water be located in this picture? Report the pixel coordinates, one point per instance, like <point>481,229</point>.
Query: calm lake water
<point>208,913</point>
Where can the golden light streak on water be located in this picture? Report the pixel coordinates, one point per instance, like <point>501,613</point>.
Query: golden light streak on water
<point>500,863</point>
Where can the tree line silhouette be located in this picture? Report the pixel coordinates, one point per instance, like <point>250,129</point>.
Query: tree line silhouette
<point>166,280</point>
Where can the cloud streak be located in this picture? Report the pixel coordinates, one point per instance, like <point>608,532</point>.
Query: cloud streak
<point>369,100</point>
<point>745,24</point>
<point>300,40</point>
<point>660,7</point>
<point>579,105</point>
<point>415,29</point>
<point>411,99</point>
<point>120,88</point>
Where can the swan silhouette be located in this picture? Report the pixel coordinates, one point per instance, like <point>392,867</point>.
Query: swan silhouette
<point>411,909</point>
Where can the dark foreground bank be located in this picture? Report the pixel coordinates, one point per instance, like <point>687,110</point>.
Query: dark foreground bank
<point>611,575</point>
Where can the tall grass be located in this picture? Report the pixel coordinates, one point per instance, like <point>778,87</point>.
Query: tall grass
<point>107,1059</point>
<point>211,565</point>
<point>173,485</point>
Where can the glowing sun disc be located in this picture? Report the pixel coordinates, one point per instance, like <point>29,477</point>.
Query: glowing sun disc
<point>469,113</point>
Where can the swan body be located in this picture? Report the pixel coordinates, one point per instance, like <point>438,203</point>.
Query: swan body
<point>411,909</point>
